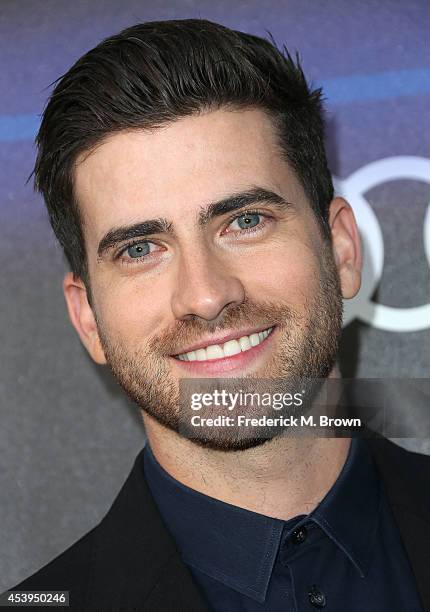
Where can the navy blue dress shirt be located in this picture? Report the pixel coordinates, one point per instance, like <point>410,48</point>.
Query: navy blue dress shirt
<point>345,556</point>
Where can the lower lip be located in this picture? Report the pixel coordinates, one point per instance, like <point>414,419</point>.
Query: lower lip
<point>227,364</point>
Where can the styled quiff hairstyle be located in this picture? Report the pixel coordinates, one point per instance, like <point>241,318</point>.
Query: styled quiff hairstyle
<point>156,72</point>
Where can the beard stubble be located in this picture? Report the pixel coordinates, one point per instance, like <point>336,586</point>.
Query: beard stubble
<point>307,350</point>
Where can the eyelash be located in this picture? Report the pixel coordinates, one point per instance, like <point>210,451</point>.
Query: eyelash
<point>248,230</point>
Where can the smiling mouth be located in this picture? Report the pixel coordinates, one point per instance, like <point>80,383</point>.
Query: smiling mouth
<point>228,349</point>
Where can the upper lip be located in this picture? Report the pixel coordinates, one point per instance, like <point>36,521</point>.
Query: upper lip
<point>233,335</point>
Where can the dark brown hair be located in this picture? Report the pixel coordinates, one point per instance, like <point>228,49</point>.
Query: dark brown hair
<point>153,73</point>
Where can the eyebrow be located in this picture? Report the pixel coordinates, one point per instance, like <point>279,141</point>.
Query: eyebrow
<point>241,200</point>
<point>236,201</point>
<point>128,232</point>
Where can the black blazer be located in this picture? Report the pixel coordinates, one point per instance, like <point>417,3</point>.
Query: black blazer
<point>130,562</point>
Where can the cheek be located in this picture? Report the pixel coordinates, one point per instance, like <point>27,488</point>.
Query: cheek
<point>129,311</point>
<point>286,272</point>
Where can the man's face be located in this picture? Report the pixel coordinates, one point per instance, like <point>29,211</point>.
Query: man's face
<point>205,277</point>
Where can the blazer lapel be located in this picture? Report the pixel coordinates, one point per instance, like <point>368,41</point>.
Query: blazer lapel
<point>405,481</point>
<point>415,531</point>
<point>136,564</point>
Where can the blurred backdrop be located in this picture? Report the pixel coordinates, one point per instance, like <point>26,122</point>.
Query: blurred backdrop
<point>68,434</point>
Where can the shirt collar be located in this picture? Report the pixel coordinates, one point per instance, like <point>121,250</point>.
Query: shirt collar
<point>239,547</point>
<point>349,513</point>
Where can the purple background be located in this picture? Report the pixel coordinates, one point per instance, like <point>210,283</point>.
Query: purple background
<point>69,436</point>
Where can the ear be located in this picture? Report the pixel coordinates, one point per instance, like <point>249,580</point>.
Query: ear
<point>82,316</point>
<point>346,246</point>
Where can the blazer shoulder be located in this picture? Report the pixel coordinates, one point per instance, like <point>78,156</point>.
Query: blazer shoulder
<point>69,571</point>
<point>398,456</point>
<point>406,473</point>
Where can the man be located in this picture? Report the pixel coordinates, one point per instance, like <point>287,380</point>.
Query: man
<point>184,171</point>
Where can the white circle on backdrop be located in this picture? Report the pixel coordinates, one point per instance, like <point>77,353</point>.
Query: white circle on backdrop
<point>353,188</point>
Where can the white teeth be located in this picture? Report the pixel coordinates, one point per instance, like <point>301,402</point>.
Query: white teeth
<point>232,347</point>
<point>244,343</point>
<point>214,352</point>
<point>200,355</point>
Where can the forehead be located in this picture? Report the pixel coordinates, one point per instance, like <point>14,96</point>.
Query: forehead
<point>175,169</point>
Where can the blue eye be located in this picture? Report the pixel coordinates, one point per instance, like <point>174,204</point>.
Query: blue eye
<point>138,250</point>
<point>248,220</point>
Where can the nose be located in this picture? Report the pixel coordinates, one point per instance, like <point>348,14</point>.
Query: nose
<point>204,287</point>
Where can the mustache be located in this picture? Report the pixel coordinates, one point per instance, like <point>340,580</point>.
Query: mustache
<point>189,331</point>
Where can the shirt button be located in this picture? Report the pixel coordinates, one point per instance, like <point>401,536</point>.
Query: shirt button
<point>316,597</point>
<point>299,535</point>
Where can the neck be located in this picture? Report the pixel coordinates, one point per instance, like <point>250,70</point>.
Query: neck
<point>282,478</point>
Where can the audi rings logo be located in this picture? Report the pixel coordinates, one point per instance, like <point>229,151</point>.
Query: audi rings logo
<point>352,188</point>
